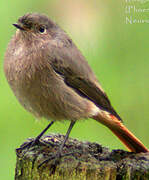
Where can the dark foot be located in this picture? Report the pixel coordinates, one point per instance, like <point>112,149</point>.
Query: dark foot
<point>35,141</point>
<point>26,146</point>
<point>56,158</point>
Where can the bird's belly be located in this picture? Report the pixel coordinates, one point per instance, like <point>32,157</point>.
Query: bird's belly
<point>54,101</point>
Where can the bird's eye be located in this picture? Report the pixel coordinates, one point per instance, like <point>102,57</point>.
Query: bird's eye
<point>42,30</point>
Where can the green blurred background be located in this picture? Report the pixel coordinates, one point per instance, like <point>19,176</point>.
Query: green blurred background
<point>117,52</point>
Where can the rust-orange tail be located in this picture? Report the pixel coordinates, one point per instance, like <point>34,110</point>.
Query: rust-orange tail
<point>126,137</point>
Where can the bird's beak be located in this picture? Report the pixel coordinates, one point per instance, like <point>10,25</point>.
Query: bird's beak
<point>19,27</point>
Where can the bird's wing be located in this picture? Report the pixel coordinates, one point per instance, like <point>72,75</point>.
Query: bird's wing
<point>72,66</point>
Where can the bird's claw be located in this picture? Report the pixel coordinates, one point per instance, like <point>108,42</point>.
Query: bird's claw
<point>55,157</point>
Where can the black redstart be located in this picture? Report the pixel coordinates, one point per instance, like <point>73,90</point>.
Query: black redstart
<point>51,79</point>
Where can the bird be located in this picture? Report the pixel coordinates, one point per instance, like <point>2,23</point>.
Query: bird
<point>52,79</point>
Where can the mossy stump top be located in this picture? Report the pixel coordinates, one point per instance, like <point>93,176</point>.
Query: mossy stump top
<point>79,161</point>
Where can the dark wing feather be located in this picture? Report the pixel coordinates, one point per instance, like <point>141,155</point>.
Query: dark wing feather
<point>72,66</point>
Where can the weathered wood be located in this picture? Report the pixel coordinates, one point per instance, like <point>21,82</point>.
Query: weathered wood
<point>86,160</point>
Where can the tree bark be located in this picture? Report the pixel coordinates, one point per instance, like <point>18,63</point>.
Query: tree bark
<point>79,161</point>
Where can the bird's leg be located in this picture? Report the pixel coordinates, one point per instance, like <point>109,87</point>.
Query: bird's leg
<point>36,140</point>
<point>58,155</point>
<point>41,134</point>
<point>66,137</point>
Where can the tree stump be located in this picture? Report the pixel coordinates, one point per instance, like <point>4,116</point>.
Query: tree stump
<point>79,161</point>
